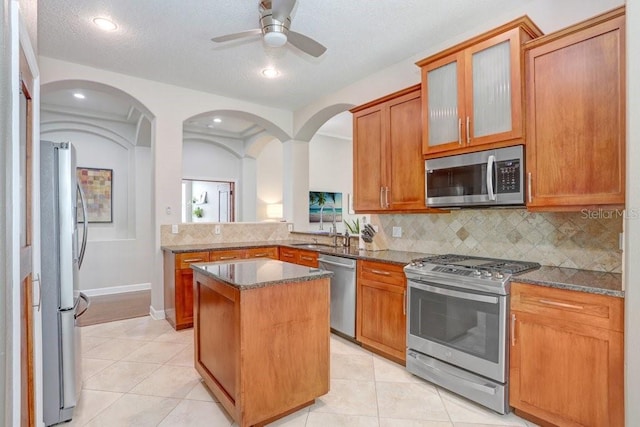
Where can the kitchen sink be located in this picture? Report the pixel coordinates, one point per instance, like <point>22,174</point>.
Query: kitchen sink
<point>312,245</point>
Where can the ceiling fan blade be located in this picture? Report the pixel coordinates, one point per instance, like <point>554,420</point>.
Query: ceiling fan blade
<point>281,9</point>
<point>235,36</point>
<point>306,44</point>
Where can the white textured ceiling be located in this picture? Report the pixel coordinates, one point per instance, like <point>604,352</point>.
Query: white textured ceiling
<point>169,41</point>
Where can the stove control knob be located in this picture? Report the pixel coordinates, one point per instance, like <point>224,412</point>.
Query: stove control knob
<point>476,272</point>
<point>486,273</point>
<point>498,275</point>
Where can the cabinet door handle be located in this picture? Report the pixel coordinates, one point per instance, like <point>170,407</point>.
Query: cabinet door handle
<point>404,302</point>
<point>224,258</point>
<point>286,255</point>
<point>260,255</point>
<point>513,329</point>
<point>560,304</point>
<point>529,187</point>
<point>381,272</point>
<point>468,130</point>
<point>459,130</point>
<point>381,197</point>
<point>193,260</point>
<point>307,258</point>
<point>386,196</point>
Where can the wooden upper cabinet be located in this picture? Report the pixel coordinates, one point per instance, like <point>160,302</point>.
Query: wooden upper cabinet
<point>472,93</point>
<point>387,154</point>
<point>576,115</point>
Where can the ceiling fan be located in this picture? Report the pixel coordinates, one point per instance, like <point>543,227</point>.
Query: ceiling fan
<point>275,20</point>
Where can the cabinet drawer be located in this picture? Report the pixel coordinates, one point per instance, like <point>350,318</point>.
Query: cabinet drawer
<point>183,260</point>
<point>382,272</point>
<point>271,252</point>
<point>226,255</point>
<point>589,309</point>
<point>308,258</point>
<point>288,254</point>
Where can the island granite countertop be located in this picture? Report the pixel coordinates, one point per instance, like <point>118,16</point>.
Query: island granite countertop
<point>595,282</point>
<point>258,273</point>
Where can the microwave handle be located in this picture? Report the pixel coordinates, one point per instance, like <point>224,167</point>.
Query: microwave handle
<point>490,163</point>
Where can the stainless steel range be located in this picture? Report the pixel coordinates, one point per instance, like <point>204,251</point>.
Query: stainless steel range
<point>457,324</point>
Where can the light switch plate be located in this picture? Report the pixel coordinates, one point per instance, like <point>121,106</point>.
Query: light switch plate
<point>216,229</point>
<point>174,228</point>
<point>396,232</point>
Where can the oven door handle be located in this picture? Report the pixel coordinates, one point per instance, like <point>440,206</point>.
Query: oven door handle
<point>455,294</point>
<point>485,388</point>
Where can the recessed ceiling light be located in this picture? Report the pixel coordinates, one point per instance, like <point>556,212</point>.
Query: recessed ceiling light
<point>105,24</point>
<point>210,126</point>
<point>270,73</point>
<point>78,95</point>
<point>217,120</point>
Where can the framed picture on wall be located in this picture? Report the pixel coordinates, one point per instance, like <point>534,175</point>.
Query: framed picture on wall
<point>97,185</point>
<point>324,204</point>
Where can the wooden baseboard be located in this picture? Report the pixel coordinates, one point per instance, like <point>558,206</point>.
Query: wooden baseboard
<point>109,308</point>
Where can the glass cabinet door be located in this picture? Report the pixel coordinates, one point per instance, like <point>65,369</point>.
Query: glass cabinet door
<point>492,90</point>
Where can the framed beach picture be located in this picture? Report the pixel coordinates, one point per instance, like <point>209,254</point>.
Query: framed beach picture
<point>97,187</point>
<point>324,205</point>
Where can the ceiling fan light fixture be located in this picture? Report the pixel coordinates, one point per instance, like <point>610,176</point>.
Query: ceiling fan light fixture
<point>270,73</point>
<point>105,24</point>
<point>275,39</point>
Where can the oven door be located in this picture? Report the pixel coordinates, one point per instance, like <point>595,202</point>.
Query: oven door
<point>461,327</point>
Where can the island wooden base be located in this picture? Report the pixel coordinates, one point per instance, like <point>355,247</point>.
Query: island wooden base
<point>263,352</point>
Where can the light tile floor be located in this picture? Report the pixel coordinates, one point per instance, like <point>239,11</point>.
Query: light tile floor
<point>139,372</point>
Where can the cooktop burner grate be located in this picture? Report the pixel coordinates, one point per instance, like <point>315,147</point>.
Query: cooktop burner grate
<point>480,263</point>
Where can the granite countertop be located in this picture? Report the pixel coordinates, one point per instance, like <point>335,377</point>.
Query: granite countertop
<point>258,273</point>
<point>594,282</point>
<point>388,256</point>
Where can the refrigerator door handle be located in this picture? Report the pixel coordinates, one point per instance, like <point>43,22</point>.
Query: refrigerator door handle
<point>85,298</point>
<point>67,356</point>
<point>83,247</point>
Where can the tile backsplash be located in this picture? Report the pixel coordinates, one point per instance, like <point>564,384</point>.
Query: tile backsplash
<point>230,232</point>
<point>584,240</point>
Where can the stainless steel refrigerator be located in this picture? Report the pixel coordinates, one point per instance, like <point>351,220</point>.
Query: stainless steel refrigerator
<point>61,258</point>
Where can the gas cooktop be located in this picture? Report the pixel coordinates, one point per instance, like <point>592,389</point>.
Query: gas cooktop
<point>487,274</point>
<point>478,263</point>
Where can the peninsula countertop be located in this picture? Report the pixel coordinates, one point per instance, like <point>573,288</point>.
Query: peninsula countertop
<point>589,281</point>
<point>258,273</point>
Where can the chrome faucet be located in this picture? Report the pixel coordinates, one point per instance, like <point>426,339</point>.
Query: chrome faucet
<point>334,216</point>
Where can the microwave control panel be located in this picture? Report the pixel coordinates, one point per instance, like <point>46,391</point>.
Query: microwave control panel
<point>508,172</point>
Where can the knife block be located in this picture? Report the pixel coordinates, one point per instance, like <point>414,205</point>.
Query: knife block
<point>377,243</point>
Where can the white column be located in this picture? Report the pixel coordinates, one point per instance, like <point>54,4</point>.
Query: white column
<point>295,182</point>
<point>632,222</point>
<point>167,192</point>
<point>247,193</point>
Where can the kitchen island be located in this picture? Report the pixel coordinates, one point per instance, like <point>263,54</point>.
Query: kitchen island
<point>261,334</point>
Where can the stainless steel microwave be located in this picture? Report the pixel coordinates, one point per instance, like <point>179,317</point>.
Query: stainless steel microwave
<point>485,178</point>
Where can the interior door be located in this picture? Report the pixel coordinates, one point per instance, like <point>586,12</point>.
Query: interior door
<point>26,236</point>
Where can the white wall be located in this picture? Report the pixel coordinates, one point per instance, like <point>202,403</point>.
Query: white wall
<point>632,223</point>
<point>331,169</point>
<point>268,178</point>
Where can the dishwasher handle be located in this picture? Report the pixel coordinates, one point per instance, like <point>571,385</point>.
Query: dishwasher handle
<point>350,266</point>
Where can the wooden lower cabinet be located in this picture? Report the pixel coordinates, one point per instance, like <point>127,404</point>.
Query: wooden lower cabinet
<point>262,364</point>
<point>381,321</point>
<point>299,256</point>
<point>566,356</point>
<point>178,287</point>
<point>178,278</point>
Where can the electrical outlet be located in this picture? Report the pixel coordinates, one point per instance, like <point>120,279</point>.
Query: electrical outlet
<point>216,229</point>
<point>174,228</point>
<point>396,232</point>
<point>290,227</point>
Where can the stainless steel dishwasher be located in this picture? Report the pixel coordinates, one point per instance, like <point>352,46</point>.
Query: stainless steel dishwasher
<point>343,293</point>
